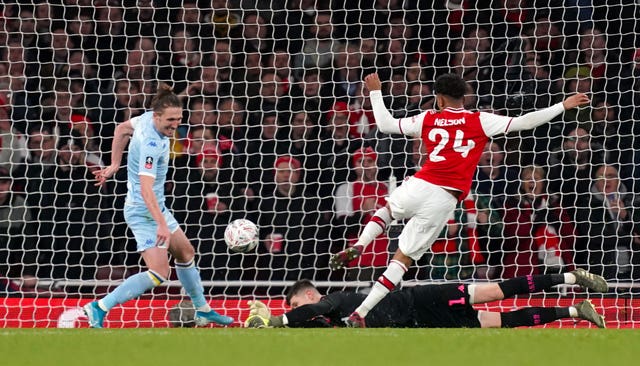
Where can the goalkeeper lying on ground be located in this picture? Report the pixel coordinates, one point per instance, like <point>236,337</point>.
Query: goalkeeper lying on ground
<point>432,306</point>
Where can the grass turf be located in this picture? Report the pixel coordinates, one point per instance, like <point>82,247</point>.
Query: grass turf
<point>388,347</point>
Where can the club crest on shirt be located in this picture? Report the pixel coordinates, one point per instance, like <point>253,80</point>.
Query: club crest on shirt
<point>148,162</point>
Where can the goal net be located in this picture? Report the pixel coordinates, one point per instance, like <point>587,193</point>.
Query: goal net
<point>278,129</point>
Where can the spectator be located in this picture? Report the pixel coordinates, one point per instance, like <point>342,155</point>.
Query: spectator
<point>318,45</point>
<point>18,249</point>
<point>571,167</point>
<point>182,59</point>
<point>222,59</point>
<point>299,138</point>
<point>578,80</point>
<point>35,178</point>
<point>261,155</point>
<point>539,236</point>
<point>224,19</point>
<point>268,98</point>
<point>256,33</point>
<point>140,66</point>
<point>111,42</point>
<point>355,203</point>
<point>199,138</point>
<point>202,112</point>
<point>207,86</point>
<point>230,127</point>
<point>609,133</point>
<point>306,93</point>
<point>77,206</point>
<point>280,62</point>
<point>292,232</point>
<point>336,147</point>
<point>16,88</point>
<point>207,204</point>
<point>484,233</point>
<point>82,129</point>
<point>493,177</point>
<point>347,70</point>
<point>13,146</point>
<point>81,29</point>
<point>607,221</point>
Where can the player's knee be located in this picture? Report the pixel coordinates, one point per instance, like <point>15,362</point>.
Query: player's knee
<point>185,254</point>
<point>158,277</point>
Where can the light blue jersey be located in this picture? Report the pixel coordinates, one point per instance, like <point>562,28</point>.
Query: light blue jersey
<point>148,155</point>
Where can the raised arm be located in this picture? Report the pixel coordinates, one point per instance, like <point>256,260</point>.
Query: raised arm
<point>384,120</point>
<point>410,126</point>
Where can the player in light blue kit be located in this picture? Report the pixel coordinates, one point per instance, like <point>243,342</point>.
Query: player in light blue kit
<point>155,229</point>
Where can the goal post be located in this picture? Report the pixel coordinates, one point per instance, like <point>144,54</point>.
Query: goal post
<point>276,129</point>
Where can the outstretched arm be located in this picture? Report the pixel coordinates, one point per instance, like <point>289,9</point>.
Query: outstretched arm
<point>537,118</point>
<point>302,316</point>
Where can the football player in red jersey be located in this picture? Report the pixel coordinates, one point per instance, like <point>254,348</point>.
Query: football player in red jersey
<point>454,139</point>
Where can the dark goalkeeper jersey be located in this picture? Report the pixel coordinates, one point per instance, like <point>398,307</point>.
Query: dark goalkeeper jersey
<point>429,306</point>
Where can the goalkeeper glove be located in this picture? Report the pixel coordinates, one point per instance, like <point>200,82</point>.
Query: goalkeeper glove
<point>257,307</point>
<point>256,321</point>
<point>339,259</point>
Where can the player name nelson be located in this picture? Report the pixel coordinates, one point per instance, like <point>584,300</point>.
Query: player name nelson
<point>441,122</point>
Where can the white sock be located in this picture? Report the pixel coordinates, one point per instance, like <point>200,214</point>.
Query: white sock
<point>569,278</point>
<point>387,282</point>
<point>573,312</point>
<point>376,226</point>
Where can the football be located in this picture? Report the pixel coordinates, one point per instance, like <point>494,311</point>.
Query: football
<point>241,236</point>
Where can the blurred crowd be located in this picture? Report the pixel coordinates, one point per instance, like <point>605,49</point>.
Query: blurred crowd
<point>278,129</point>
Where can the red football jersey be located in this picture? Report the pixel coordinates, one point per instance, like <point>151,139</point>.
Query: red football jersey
<point>454,140</point>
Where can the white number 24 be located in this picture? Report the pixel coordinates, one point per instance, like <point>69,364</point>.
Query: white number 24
<point>444,139</point>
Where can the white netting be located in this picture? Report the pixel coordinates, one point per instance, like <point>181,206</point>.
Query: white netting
<point>271,82</point>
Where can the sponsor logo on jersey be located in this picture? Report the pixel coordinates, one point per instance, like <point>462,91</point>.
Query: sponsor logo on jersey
<point>148,162</point>
<point>152,144</point>
<point>443,122</point>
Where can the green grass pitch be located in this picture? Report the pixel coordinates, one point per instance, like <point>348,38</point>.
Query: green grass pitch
<point>388,347</point>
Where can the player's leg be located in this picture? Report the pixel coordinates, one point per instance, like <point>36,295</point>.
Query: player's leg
<point>155,259</point>
<point>376,226</point>
<point>189,277</point>
<point>532,316</point>
<point>383,285</point>
<point>132,287</point>
<point>481,293</point>
<point>430,207</point>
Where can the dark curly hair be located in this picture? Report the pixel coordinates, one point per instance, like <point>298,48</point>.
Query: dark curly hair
<point>451,85</point>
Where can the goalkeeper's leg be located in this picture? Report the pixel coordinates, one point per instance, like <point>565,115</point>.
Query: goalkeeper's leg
<point>481,293</point>
<point>533,316</point>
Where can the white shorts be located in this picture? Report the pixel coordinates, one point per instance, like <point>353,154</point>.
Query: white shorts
<point>428,208</point>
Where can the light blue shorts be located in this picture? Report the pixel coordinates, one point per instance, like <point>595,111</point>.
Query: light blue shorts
<point>144,227</point>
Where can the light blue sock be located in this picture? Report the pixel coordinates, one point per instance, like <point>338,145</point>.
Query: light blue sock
<point>131,288</point>
<point>189,277</point>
